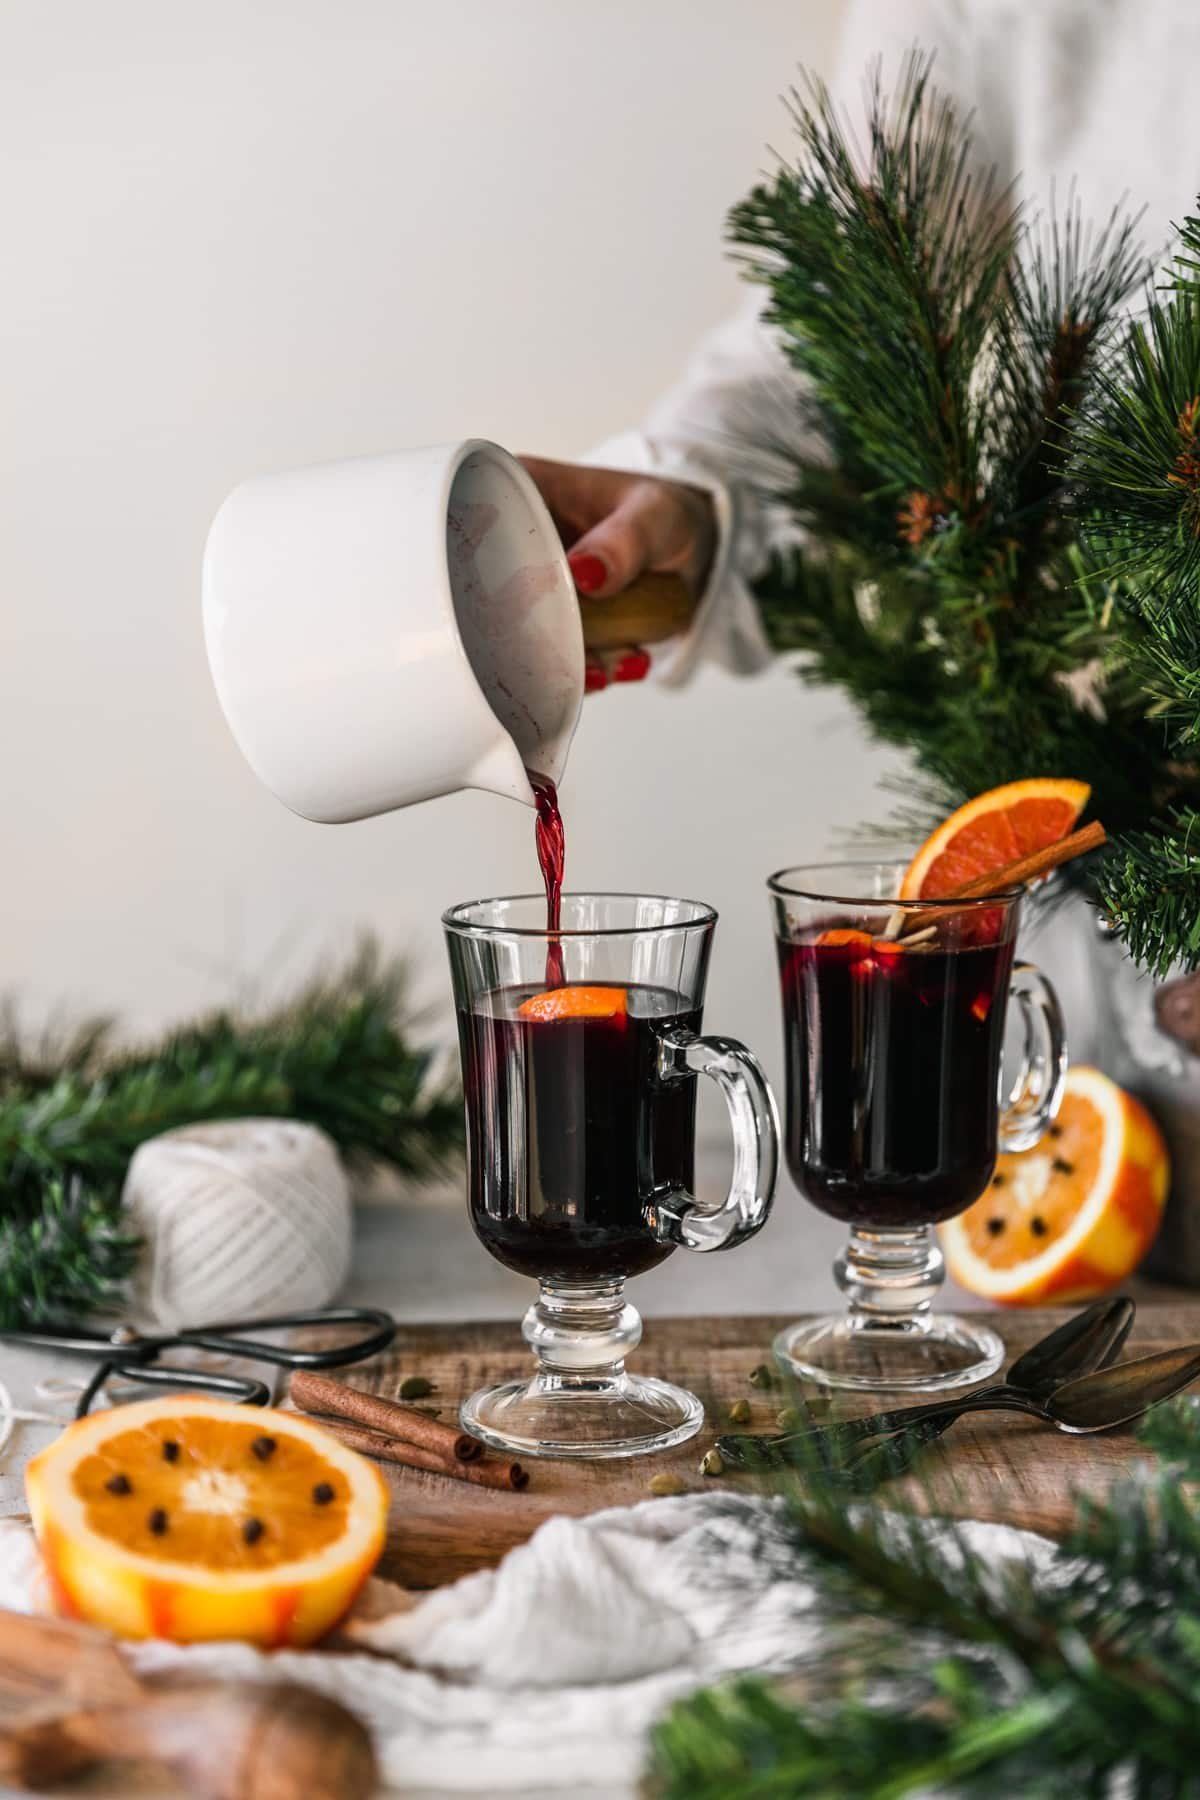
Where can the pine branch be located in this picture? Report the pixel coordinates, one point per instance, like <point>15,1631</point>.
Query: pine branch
<point>1150,889</point>
<point>1136,458</point>
<point>336,1057</point>
<point>973,1678</point>
<point>998,483</point>
<point>1054,337</point>
<point>67,1256</point>
<point>884,282</point>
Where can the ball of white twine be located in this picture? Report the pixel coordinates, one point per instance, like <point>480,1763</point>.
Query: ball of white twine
<point>238,1220</point>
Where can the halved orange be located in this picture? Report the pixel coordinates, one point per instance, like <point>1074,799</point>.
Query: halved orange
<point>1075,1215</point>
<point>576,1003</point>
<point>992,830</point>
<point>192,1518</point>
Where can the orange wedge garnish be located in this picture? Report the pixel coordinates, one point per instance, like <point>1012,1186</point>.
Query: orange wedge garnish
<point>991,831</point>
<point>1075,1215</point>
<point>844,937</point>
<point>576,1003</point>
<point>191,1518</point>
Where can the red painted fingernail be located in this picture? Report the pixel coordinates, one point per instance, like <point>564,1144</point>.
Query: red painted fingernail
<point>594,679</point>
<point>633,666</point>
<point>588,572</point>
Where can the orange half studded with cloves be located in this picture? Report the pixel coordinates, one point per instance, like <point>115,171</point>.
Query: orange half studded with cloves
<point>1074,1216</point>
<point>191,1518</point>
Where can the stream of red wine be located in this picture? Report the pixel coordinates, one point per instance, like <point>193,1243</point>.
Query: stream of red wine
<point>551,854</point>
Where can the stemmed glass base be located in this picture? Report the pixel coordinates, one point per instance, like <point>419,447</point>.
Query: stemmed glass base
<point>890,1337</point>
<point>582,1402</point>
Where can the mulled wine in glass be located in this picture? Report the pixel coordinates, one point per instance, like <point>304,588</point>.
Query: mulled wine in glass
<point>894,1026</point>
<point>580,1102</point>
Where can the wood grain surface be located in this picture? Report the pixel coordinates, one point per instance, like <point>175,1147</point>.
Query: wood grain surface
<point>992,1466</point>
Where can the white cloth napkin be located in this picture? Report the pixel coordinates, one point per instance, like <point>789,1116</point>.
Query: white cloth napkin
<point>547,1672</point>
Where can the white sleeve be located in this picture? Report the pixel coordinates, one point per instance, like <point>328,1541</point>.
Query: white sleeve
<point>701,432</point>
<point>738,392</point>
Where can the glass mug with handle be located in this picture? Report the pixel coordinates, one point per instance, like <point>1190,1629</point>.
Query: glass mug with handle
<point>580,1103</point>
<point>894,1030</point>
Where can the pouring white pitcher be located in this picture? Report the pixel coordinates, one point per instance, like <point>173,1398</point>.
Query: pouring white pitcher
<point>392,628</point>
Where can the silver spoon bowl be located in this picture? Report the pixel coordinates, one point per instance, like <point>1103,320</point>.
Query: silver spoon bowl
<point>1083,1343</point>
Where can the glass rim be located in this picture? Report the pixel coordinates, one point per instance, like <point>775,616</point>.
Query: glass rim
<point>452,919</point>
<point>779,884</point>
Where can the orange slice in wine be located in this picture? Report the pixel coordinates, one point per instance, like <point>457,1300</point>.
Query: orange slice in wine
<point>192,1518</point>
<point>991,831</point>
<point>845,937</point>
<point>576,1003</point>
<point>1075,1215</point>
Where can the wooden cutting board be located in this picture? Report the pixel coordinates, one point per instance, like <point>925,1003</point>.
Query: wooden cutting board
<point>991,1466</point>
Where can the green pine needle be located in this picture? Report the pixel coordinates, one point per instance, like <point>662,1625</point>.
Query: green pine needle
<point>997,481</point>
<point>337,1056</point>
<point>63,1257</point>
<point>943,1672</point>
<point>1150,888</point>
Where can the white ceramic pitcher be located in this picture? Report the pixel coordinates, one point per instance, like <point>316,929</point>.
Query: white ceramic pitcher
<point>392,628</point>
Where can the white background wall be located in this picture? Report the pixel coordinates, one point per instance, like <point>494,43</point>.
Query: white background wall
<point>238,237</point>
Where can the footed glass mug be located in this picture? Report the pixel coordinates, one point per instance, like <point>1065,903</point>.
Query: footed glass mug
<point>894,1027</point>
<point>580,1102</point>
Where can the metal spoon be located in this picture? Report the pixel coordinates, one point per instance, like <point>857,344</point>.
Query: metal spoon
<point>1117,1396</point>
<point>1085,1342</point>
<point>1102,1401</point>
<point>1088,1340</point>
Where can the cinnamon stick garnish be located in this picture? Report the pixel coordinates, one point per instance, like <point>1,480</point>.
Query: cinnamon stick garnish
<point>320,1394</point>
<point>1014,874</point>
<point>508,1475</point>
<point>1035,864</point>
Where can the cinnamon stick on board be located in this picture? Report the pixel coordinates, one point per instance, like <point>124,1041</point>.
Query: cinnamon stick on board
<point>508,1475</point>
<point>1013,874</point>
<point>320,1394</point>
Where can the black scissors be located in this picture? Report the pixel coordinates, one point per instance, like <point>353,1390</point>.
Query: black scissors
<point>127,1352</point>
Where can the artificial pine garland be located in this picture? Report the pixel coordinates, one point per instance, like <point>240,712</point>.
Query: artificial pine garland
<point>955,1675</point>
<point>72,1115</point>
<point>997,568</point>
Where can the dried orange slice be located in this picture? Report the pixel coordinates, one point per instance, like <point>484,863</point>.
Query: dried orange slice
<point>192,1518</point>
<point>576,1003</point>
<point>991,831</point>
<point>1074,1216</point>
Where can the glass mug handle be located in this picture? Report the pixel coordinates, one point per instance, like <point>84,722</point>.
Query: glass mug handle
<point>1035,1094</point>
<point>678,1217</point>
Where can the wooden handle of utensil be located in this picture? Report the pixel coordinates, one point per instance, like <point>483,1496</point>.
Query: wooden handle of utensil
<point>224,1740</point>
<point>651,609</point>
<point>239,1741</point>
<point>227,1741</point>
<point>42,1657</point>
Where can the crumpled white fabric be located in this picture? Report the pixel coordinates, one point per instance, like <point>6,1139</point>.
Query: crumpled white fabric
<point>547,1672</point>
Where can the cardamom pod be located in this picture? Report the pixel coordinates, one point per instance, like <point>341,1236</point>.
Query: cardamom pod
<point>664,1484</point>
<point>415,1387</point>
<point>711,1463</point>
<point>739,1413</point>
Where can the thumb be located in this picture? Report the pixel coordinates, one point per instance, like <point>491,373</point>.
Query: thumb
<point>608,557</point>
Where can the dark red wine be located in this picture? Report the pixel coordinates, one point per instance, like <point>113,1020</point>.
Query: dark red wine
<point>551,854</point>
<point>571,1134</point>
<point>893,1070</point>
